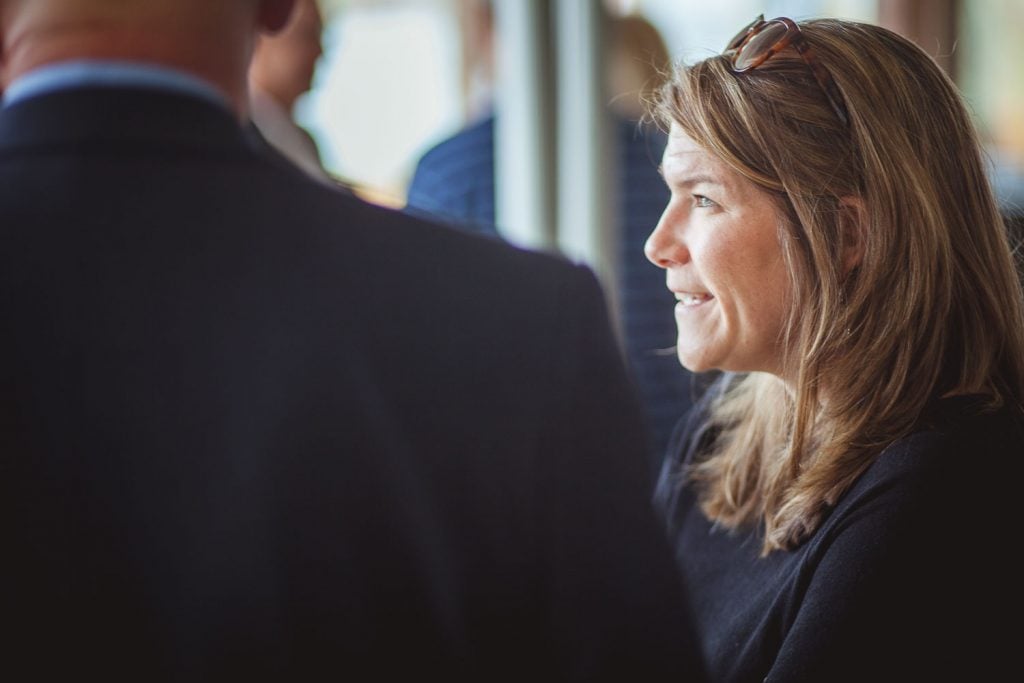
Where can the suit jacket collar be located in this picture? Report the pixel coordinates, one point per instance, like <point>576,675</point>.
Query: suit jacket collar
<point>119,117</point>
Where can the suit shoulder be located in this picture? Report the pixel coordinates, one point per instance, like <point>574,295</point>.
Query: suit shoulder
<point>416,236</point>
<point>391,255</point>
<point>475,140</point>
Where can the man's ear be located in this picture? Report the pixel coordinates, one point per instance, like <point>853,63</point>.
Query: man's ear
<point>853,218</point>
<point>274,14</point>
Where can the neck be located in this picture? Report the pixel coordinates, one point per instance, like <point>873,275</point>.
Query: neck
<point>284,102</point>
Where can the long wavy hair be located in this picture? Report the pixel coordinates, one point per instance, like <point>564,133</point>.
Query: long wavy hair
<point>933,308</point>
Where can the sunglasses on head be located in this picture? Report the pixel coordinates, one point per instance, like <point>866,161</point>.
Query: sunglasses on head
<point>761,40</point>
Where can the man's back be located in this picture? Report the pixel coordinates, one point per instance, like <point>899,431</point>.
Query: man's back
<point>454,182</point>
<point>251,426</point>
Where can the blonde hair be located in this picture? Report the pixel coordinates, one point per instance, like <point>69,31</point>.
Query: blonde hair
<point>934,306</point>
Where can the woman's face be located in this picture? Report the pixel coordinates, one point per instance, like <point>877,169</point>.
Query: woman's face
<point>718,241</point>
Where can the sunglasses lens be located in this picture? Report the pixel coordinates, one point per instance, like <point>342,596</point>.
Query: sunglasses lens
<point>738,38</point>
<point>759,45</point>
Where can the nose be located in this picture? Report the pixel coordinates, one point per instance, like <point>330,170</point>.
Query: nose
<point>664,248</point>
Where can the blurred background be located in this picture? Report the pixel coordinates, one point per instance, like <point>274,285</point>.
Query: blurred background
<point>400,75</point>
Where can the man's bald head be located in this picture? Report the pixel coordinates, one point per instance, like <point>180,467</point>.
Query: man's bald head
<point>212,39</point>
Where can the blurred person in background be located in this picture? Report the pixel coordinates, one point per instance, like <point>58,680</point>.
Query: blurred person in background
<point>454,182</point>
<point>842,501</point>
<point>282,70</point>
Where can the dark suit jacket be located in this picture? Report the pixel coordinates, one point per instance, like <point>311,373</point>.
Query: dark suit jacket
<point>252,427</point>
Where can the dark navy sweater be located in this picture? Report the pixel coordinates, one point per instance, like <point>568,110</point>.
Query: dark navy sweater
<point>906,578</point>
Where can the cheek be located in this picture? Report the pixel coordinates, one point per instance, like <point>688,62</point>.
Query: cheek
<point>765,299</point>
<point>726,267</point>
<point>751,278</point>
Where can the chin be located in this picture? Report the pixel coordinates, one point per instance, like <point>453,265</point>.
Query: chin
<point>693,362</point>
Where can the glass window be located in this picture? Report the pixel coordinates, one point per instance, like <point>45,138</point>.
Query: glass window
<point>990,65</point>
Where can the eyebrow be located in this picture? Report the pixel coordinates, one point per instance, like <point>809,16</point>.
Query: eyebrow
<point>690,180</point>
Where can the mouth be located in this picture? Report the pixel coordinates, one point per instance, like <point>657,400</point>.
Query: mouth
<point>689,299</point>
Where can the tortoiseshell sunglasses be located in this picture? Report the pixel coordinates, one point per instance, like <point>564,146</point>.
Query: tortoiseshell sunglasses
<point>759,41</point>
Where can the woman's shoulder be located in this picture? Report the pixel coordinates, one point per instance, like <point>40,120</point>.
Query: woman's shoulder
<point>957,473</point>
<point>959,433</point>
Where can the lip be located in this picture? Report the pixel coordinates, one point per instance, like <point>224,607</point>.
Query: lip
<point>691,299</point>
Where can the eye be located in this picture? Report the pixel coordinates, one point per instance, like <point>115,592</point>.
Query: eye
<point>702,202</point>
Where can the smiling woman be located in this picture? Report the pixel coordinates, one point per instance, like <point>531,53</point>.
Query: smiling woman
<point>833,245</point>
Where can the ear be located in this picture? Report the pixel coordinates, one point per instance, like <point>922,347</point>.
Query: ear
<point>853,224</point>
<point>274,14</point>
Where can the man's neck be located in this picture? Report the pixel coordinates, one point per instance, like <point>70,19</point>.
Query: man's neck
<point>70,75</point>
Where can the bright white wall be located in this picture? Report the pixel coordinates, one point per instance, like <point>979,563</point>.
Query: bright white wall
<point>388,83</point>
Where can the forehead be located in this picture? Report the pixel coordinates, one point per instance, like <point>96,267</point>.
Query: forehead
<point>684,161</point>
<point>682,154</point>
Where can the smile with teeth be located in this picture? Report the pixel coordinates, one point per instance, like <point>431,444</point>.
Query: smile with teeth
<point>692,299</point>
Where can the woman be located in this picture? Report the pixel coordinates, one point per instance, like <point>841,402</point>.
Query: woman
<point>839,499</point>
